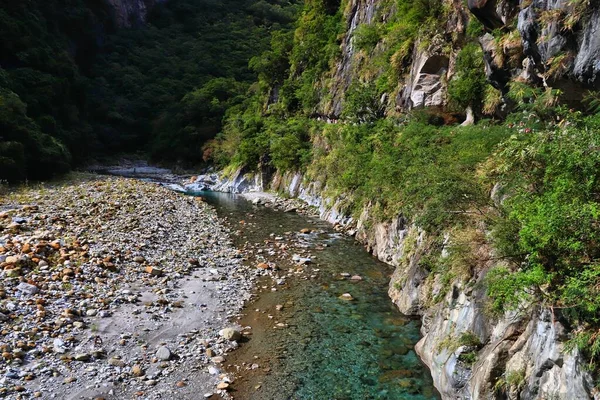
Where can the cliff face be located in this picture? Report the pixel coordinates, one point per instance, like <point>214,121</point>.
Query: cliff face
<point>471,353</point>
<point>545,43</point>
<point>130,13</point>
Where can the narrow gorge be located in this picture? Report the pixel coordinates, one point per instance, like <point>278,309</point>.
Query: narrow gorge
<point>458,142</point>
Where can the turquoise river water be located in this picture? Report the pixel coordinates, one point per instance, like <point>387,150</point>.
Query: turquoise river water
<point>329,348</point>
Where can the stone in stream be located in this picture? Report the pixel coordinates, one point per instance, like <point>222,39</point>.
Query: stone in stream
<point>346,297</point>
<point>301,260</point>
<point>230,334</point>
<point>213,370</point>
<point>163,353</point>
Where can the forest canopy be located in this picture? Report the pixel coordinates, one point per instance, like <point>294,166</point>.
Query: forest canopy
<point>73,86</point>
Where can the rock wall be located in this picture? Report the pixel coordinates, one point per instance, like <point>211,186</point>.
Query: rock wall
<point>553,43</point>
<point>518,356</point>
<point>130,13</point>
<point>471,353</point>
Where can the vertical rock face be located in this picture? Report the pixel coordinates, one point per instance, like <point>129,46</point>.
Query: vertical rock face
<point>515,356</point>
<point>361,12</point>
<point>430,60</point>
<point>553,43</point>
<point>424,86</point>
<point>560,42</point>
<point>130,13</point>
<point>586,66</point>
<point>520,355</point>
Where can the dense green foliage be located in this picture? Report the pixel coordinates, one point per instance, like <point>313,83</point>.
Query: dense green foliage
<point>43,52</point>
<point>467,88</point>
<point>170,83</point>
<point>550,223</point>
<point>417,170</point>
<point>71,85</point>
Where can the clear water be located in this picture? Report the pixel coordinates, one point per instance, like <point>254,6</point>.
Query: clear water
<point>332,348</point>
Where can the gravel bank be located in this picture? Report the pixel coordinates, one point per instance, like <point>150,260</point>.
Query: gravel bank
<point>115,288</point>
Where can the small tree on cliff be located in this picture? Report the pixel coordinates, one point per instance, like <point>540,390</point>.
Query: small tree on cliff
<point>467,87</point>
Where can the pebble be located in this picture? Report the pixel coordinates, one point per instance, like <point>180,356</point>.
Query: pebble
<point>27,288</point>
<point>137,370</point>
<point>82,357</point>
<point>116,362</point>
<point>154,271</point>
<point>163,353</point>
<point>95,249</point>
<point>230,334</point>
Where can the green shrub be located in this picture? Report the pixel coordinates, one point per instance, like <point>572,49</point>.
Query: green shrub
<point>362,103</point>
<point>366,36</point>
<point>467,87</point>
<point>550,223</point>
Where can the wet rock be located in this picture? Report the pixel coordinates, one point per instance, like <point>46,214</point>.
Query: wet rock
<point>213,370</point>
<point>301,260</point>
<point>346,297</point>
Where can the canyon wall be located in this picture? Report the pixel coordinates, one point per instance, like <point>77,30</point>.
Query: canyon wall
<point>472,354</point>
<point>544,43</point>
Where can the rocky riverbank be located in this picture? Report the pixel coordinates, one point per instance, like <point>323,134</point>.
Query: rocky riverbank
<point>114,288</point>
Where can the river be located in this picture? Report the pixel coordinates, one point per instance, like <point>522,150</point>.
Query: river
<point>305,341</point>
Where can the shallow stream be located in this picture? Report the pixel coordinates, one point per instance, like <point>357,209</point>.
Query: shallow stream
<point>324,347</point>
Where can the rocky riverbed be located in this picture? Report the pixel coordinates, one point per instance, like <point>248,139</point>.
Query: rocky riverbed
<point>113,288</point>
